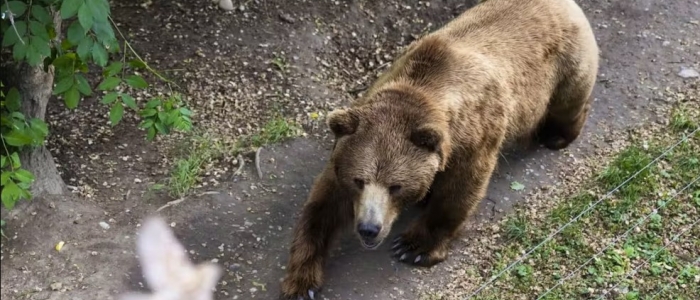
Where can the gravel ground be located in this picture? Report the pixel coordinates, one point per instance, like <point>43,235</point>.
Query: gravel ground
<point>299,59</point>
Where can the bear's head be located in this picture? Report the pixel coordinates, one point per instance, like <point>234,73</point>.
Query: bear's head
<point>386,155</point>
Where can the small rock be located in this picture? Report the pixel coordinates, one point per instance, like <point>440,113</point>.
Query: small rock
<point>688,73</point>
<point>56,286</point>
<point>234,267</point>
<point>226,5</point>
<point>104,225</point>
<point>286,17</point>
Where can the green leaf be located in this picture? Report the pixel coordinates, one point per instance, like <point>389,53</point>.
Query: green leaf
<point>3,162</point>
<point>14,159</point>
<point>103,30</point>
<point>109,83</point>
<point>517,186</point>
<point>72,97</point>
<point>129,101</point>
<point>13,99</point>
<point>148,112</point>
<point>116,113</point>
<point>38,29</point>
<point>99,55</point>
<point>23,176</point>
<point>17,138</point>
<point>5,178</point>
<point>109,98</point>
<point>19,51</point>
<point>83,85</point>
<point>113,69</point>
<point>85,16</point>
<point>164,117</point>
<point>18,116</point>
<point>75,33</point>
<point>18,8</point>
<point>70,7</point>
<point>40,14</point>
<point>162,128</point>
<point>10,194</point>
<point>136,82</point>
<point>40,126</point>
<point>99,9</point>
<point>148,123</point>
<point>33,55</point>
<point>151,133</point>
<point>137,64</point>
<point>185,112</point>
<point>64,85</point>
<point>153,103</point>
<point>84,48</point>
<point>11,37</point>
<point>42,46</point>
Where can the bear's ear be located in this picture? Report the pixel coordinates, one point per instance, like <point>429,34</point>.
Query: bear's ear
<point>433,140</point>
<point>427,138</point>
<point>343,122</point>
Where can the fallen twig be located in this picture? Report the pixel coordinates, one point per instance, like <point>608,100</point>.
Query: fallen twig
<point>171,203</point>
<point>178,201</point>
<point>241,162</point>
<point>257,162</point>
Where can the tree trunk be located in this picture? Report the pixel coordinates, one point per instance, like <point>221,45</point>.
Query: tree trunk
<point>35,87</point>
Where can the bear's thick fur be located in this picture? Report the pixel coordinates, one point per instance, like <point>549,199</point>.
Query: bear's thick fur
<point>437,120</point>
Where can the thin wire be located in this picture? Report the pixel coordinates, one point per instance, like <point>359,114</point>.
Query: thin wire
<point>522,257</point>
<point>697,260</point>
<point>620,237</point>
<point>646,261</point>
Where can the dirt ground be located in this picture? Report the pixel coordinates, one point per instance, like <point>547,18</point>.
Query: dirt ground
<point>298,59</point>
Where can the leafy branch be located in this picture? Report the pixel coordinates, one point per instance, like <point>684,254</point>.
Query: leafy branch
<point>30,33</point>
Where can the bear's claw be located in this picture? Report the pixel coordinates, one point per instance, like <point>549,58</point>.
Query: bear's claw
<point>310,295</point>
<point>413,254</point>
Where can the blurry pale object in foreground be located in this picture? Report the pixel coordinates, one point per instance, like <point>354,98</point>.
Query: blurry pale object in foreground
<point>166,268</point>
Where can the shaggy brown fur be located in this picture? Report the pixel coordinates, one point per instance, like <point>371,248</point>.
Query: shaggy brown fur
<point>437,120</point>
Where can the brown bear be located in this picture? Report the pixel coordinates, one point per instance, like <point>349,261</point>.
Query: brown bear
<point>437,120</point>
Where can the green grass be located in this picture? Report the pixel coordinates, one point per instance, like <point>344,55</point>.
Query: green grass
<point>274,131</point>
<point>581,240</point>
<point>199,150</point>
<point>682,119</point>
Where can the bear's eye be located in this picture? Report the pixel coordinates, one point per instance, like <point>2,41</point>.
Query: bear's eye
<point>360,183</point>
<point>394,189</point>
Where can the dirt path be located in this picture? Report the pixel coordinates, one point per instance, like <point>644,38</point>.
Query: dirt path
<point>295,59</point>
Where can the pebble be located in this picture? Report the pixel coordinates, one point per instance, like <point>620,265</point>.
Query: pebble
<point>104,225</point>
<point>688,73</point>
<point>56,286</point>
<point>226,5</point>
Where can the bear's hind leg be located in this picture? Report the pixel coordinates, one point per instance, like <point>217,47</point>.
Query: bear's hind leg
<point>567,111</point>
<point>456,192</point>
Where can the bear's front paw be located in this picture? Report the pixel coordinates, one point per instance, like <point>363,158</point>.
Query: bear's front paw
<point>298,289</point>
<point>418,252</point>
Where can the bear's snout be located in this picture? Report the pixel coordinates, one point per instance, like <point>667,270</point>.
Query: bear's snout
<point>368,231</point>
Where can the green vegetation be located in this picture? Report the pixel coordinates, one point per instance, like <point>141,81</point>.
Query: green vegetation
<point>200,150</point>
<point>596,256</point>
<point>31,32</point>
